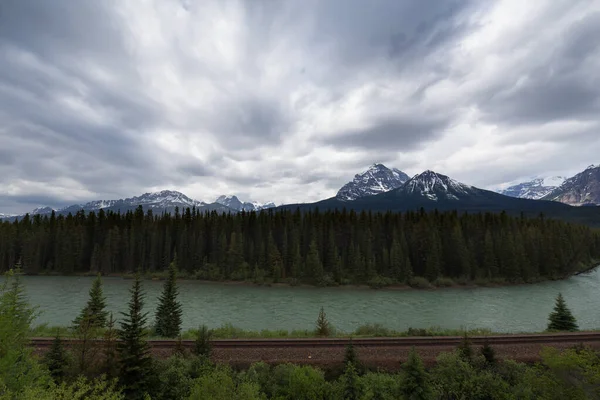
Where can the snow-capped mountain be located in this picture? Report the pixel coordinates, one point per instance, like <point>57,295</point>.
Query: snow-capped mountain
<point>236,204</point>
<point>166,200</point>
<point>377,179</point>
<point>42,210</point>
<point>534,189</point>
<point>581,190</point>
<point>5,215</point>
<point>434,186</point>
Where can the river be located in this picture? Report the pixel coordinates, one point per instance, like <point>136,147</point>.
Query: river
<point>503,309</point>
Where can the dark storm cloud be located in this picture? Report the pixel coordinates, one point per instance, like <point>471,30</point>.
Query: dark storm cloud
<point>565,86</point>
<point>393,135</point>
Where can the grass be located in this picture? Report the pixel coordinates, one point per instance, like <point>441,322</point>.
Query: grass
<point>228,331</point>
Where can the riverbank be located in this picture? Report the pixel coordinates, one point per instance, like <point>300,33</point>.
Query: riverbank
<point>228,331</point>
<point>419,283</point>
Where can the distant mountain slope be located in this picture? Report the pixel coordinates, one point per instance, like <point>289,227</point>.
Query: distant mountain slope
<point>430,191</point>
<point>163,201</point>
<point>377,179</point>
<point>534,189</point>
<point>236,204</point>
<point>581,190</point>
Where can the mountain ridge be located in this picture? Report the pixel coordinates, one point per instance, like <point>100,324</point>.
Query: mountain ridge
<point>583,189</point>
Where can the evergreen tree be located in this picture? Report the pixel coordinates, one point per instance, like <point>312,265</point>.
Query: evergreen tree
<point>351,383</point>
<point>464,348</point>
<point>110,365</point>
<point>323,329</point>
<point>56,359</point>
<point>314,266</point>
<point>168,312</point>
<point>489,354</point>
<point>350,354</point>
<point>95,307</point>
<point>202,344</point>
<point>415,383</point>
<point>561,319</point>
<point>133,349</point>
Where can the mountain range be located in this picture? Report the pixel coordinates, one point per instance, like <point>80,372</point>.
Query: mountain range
<point>380,188</point>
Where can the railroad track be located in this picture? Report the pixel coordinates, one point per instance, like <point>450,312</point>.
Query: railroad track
<point>428,341</point>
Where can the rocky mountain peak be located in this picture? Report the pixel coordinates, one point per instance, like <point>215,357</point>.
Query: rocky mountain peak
<point>534,189</point>
<point>236,204</point>
<point>436,186</point>
<point>582,189</point>
<point>376,179</point>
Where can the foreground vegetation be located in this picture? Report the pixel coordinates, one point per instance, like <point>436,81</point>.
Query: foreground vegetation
<point>126,370</point>
<point>331,248</point>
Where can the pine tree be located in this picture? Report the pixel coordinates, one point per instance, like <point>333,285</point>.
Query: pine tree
<point>110,365</point>
<point>168,312</point>
<point>323,329</point>
<point>489,354</point>
<point>314,266</point>
<point>350,354</point>
<point>561,319</point>
<point>56,359</point>
<point>95,307</point>
<point>351,383</point>
<point>202,345</point>
<point>415,383</point>
<point>134,351</point>
<point>464,348</point>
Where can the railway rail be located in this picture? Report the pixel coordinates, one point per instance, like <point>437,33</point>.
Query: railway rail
<point>427,341</point>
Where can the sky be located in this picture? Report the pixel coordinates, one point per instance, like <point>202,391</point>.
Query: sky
<point>285,101</point>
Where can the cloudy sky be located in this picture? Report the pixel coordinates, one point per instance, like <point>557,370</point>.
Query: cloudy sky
<point>287,100</point>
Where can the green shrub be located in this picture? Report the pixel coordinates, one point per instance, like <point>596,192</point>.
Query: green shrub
<point>419,282</point>
<point>444,282</point>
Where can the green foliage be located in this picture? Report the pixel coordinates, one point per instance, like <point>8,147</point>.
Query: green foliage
<point>288,381</point>
<point>220,385</point>
<point>570,374</point>
<point>133,349</point>
<point>561,319</point>
<point>175,380</point>
<point>168,312</point>
<point>56,359</point>
<point>380,386</point>
<point>95,310</point>
<point>81,389</point>
<point>465,350</point>
<point>454,377</point>
<point>18,368</point>
<point>323,329</point>
<point>418,282</point>
<point>415,384</point>
<point>110,356</point>
<point>351,384</point>
<point>202,344</point>
<point>350,356</point>
<point>489,354</point>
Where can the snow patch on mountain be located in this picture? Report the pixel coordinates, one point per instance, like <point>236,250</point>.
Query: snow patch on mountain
<point>436,187</point>
<point>236,204</point>
<point>376,179</point>
<point>534,189</point>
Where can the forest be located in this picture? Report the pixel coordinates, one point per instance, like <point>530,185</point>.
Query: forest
<point>320,248</point>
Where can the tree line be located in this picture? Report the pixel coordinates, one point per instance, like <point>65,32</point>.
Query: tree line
<point>323,248</point>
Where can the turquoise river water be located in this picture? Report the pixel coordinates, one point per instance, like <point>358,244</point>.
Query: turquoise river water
<point>505,309</point>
